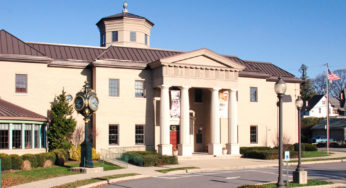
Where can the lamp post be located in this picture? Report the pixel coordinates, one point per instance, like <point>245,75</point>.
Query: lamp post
<point>85,103</point>
<point>299,175</point>
<point>280,89</point>
<point>299,104</point>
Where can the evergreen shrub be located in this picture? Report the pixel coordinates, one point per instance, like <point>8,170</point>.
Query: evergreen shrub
<point>6,163</point>
<point>31,158</point>
<point>16,161</point>
<point>40,158</point>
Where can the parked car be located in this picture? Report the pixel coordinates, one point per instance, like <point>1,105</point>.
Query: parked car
<point>321,139</point>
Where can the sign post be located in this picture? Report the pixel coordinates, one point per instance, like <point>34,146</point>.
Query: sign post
<point>287,158</point>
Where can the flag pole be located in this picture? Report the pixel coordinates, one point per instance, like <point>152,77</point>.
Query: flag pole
<point>327,110</point>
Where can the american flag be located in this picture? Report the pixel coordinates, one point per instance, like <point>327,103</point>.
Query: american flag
<point>331,76</point>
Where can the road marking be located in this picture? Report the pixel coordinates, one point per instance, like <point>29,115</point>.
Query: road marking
<point>232,178</point>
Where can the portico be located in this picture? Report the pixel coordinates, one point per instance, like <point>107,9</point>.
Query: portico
<point>200,69</point>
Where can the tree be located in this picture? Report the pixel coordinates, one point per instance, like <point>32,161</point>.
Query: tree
<point>62,123</point>
<point>306,88</point>
<point>334,88</point>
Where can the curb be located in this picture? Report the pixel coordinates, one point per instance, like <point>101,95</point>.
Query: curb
<point>116,180</point>
<point>335,185</point>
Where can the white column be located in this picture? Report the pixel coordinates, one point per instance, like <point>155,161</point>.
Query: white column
<point>233,146</point>
<point>185,147</point>
<point>165,148</point>
<point>215,148</point>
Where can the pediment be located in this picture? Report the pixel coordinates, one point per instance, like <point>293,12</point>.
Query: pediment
<point>202,57</point>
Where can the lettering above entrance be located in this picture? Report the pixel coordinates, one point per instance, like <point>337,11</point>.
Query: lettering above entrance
<point>191,68</point>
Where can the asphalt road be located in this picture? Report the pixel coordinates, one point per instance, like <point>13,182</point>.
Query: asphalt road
<point>335,172</point>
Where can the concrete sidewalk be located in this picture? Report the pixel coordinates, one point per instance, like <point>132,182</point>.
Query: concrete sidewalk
<point>202,165</point>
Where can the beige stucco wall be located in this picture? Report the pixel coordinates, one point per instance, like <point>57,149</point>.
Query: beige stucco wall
<point>44,83</point>
<point>125,110</point>
<point>264,113</point>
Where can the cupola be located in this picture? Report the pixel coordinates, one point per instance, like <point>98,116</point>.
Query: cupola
<point>125,29</point>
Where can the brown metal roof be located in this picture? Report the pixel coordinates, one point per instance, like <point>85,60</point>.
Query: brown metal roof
<point>66,52</point>
<point>10,44</point>
<point>9,111</point>
<point>145,55</point>
<point>123,15</point>
<point>269,68</point>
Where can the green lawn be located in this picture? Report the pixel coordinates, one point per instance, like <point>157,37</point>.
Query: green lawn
<point>312,182</point>
<point>21,177</point>
<point>107,166</point>
<point>175,169</point>
<point>307,154</point>
<point>93,180</point>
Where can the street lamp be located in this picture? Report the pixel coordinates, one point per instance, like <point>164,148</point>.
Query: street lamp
<point>85,103</point>
<point>299,176</point>
<point>280,89</point>
<point>299,104</point>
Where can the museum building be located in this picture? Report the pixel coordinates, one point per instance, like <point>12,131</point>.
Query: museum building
<point>149,99</point>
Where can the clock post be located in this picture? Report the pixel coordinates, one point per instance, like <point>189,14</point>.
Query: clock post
<point>85,103</point>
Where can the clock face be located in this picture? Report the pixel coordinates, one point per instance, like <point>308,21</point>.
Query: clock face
<point>93,103</point>
<point>79,103</point>
<point>69,98</point>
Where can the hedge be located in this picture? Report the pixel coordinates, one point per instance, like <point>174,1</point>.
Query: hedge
<point>266,154</point>
<point>32,158</point>
<point>16,162</point>
<point>247,149</point>
<point>147,158</point>
<point>306,147</point>
<point>6,162</point>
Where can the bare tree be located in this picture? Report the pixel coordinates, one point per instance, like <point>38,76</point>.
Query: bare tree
<point>335,87</point>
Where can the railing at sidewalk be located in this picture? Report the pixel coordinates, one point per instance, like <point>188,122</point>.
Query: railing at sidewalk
<point>113,155</point>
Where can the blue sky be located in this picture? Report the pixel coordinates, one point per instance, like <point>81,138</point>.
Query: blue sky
<point>285,33</point>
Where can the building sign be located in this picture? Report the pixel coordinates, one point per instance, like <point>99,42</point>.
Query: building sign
<point>223,104</point>
<point>175,103</point>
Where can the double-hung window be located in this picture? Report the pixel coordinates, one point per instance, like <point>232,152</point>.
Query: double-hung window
<point>139,134</point>
<point>113,135</point>
<point>114,87</point>
<point>4,136</point>
<point>253,94</point>
<point>115,36</point>
<point>139,88</point>
<point>146,39</point>
<point>133,36</point>
<point>37,136</point>
<point>17,136</point>
<point>28,136</point>
<point>253,134</point>
<point>21,83</point>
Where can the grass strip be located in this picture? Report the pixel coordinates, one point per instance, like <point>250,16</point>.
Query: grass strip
<point>175,169</point>
<point>324,159</point>
<point>312,182</point>
<point>93,180</point>
<point>308,154</point>
<point>26,176</point>
<point>107,166</point>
